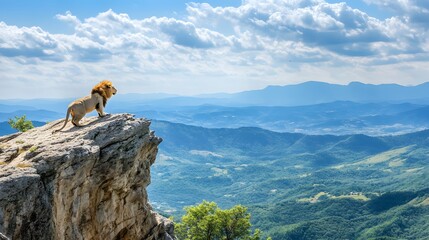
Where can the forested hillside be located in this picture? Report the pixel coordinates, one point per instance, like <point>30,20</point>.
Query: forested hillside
<point>298,186</point>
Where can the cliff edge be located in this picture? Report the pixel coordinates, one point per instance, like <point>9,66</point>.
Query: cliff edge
<point>80,183</point>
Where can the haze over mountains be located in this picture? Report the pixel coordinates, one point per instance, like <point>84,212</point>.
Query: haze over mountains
<point>311,161</point>
<point>311,108</point>
<point>307,93</point>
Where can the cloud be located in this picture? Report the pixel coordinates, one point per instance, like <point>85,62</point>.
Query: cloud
<point>27,42</point>
<point>412,11</point>
<point>252,45</point>
<point>184,33</point>
<point>68,17</point>
<point>337,28</point>
<point>332,30</point>
<point>110,27</point>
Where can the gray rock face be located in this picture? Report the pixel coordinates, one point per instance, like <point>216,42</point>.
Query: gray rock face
<point>80,183</point>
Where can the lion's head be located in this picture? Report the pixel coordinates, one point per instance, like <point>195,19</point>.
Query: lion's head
<point>105,89</point>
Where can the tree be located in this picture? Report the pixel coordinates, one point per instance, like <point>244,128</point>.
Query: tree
<point>20,123</point>
<point>199,222</point>
<point>207,221</point>
<point>234,222</point>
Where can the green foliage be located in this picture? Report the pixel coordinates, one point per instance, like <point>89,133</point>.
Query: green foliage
<point>271,173</point>
<point>346,218</point>
<point>32,149</point>
<point>390,199</point>
<point>208,221</point>
<point>21,124</point>
<point>198,223</point>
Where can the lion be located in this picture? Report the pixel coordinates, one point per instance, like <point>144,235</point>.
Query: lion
<point>97,100</point>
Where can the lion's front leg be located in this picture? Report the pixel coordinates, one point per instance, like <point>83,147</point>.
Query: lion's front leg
<point>101,113</point>
<point>100,109</point>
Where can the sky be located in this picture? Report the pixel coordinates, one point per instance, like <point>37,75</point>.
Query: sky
<point>61,48</point>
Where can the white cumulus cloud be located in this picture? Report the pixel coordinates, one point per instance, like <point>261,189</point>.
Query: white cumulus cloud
<point>222,48</point>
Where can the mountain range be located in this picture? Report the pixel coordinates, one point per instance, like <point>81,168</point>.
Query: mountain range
<point>338,118</point>
<point>310,108</point>
<point>310,161</point>
<point>307,93</point>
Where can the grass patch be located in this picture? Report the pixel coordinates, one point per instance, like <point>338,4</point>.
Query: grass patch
<point>425,202</point>
<point>411,170</point>
<point>358,196</point>
<point>396,162</point>
<point>25,148</point>
<point>318,197</point>
<point>19,141</point>
<point>23,165</point>
<point>385,156</point>
<point>32,149</point>
<point>315,198</point>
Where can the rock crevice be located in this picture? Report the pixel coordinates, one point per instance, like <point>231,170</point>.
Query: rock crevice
<point>81,183</point>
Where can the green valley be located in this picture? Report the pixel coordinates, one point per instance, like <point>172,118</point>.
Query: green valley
<point>298,186</point>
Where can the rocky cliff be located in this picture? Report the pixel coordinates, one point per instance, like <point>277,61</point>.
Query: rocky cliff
<point>80,183</point>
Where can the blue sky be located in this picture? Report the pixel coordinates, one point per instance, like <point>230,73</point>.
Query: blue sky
<point>61,48</point>
<point>42,13</point>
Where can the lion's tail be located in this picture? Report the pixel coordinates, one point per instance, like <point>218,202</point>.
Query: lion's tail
<point>65,122</point>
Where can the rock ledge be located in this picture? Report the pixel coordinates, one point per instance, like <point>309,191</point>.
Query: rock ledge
<point>80,183</point>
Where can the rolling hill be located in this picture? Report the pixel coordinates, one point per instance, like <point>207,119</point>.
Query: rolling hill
<point>296,184</point>
<point>329,118</point>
